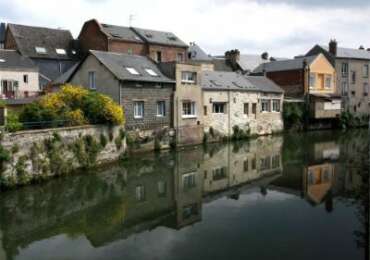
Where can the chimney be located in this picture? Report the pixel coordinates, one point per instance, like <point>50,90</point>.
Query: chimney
<point>361,48</point>
<point>333,47</point>
<point>232,57</point>
<point>265,56</point>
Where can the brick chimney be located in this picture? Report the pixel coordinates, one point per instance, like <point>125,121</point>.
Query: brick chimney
<point>232,57</point>
<point>333,47</point>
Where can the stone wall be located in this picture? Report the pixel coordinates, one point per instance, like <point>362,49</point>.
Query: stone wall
<point>41,154</point>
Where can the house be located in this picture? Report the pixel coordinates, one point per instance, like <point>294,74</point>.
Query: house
<point>134,82</point>
<point>188,100</point>
<point>352,75</point>
<point>158,45</point>
<point>54,51</point>
<point>197,55</point>
<point>253,103</point>
<point>19,76</point>
<point>2,35</point>
<point>313,77</point>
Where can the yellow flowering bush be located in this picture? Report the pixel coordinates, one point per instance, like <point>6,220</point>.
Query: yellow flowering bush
<point>74,105</point>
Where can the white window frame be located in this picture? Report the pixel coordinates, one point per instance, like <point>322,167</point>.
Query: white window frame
<point>92,79</point>
<point>188,80</point>
<point>61,51</point>
<point>268,105</point>
<point>161,108</point>
<point>216,108</point>
<point>139,109</point>
<point>277,103</point>
<point>312,80</point>
<point>328,79</point>
<point>192,110</point>
<point>132,71</point>
<point>151,72</point>
<point>365,71</point>
<point>345,69</point>
<point>41,50</point>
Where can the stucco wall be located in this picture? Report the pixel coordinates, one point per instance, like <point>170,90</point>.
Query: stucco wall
<point>322,66</point>
<point>33,79</point>
<point>261,123</point>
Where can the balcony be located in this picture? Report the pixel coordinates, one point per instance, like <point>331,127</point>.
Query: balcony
<point>19,94</point>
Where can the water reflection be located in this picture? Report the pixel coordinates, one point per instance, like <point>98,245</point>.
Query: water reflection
<point>171,190</point>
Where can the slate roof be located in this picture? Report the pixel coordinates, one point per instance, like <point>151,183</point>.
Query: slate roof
<point>159,37</point>
<point>220,80</point>
<point>120,33</point>
<point>198,54</point>
<point>65,77</point>
<point>249,62</point>
<point>284,65</point>
<point>220,65</point>
<point>350,53</point>
<point>2,32</point>
<point>12,60</point>
<point>118,62</point>
<point>29,37</point>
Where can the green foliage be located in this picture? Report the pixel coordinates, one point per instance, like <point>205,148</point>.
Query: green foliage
<point>20,170</point>
<point>15,149</point>
<point>293,115</point>
<point>103,140</point>
<point>122,133</point>
<point>118,142</point>
<point>157,144</point>
<point>86,150</point>
<point>74,106</point>
<point>12,122</point>
<point>239,134</point>
<point>348,120</point>
<point>4,157</point>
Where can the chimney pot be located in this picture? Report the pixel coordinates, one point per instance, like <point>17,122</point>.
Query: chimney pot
<point>333,47</point>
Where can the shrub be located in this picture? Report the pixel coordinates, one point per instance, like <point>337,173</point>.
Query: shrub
<point>239,134</point>
<point>76,106</point>
<point>12,122</point>
<point>103,140</point>
<point>293,114</point>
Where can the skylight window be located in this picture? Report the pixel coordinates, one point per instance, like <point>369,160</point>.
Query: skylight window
<point>172,38</point>
<point>151,72</point>
<point>61,51</point>
<point>40,50</point>
<point>2,60</point>
<point>132,71</point>
<point>149,35</point>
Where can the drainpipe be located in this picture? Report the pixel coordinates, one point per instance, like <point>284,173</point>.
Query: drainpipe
<point>306,71</point>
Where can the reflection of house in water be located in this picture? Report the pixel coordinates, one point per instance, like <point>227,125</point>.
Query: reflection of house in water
<point>166,190</point>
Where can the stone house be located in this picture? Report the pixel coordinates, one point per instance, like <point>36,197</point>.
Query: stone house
<point>19,76</point>
<point>158,45</point>
<point>352,75</point>
<point>253,103</point>
<point>311,77</point>
<point>134,82</point>
<point>188,100</point>
<point>54,51</point>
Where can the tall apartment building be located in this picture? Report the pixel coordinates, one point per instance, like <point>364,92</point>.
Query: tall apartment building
<point>353,79</point>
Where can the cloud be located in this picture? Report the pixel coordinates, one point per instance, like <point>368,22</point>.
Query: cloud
<point>283,28</point>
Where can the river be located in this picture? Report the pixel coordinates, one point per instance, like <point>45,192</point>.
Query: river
<point>296,196</point>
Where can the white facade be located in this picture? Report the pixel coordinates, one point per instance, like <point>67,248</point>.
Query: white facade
<point>235,113</point>
<point>18,82</point>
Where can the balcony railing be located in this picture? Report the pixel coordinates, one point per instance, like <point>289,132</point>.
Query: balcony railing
<point>19,94</point>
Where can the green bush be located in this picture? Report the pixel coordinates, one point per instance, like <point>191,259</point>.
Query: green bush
<point>12,122</point>
<point>293,115</point>
<point>239,134</point>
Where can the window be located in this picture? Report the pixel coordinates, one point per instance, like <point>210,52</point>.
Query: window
<point>344,70</point>
<point>140,193</point>
<point>253,163</point>
<point>61,51</point>
<point>40,50</point>
<point>344,88</point>
<point>366,89</point>
<point>151,72</point>
<point>132,71</point>
<point>162,188</point>
<point>188,109</point>
<point>129,51</point>
<point>246,108</point>
<point>276,105</point>
<point>328,79</point>
<point>254,108</point>
<point>312,80</point>
<point>188,180</point>
<point>353,77</point>
<point>219,173</point>
<point>25,78</point>
<point>138,109</point>
<point>246,166</point>
<point>219,108</point>
<point>265,105</point>
<point>92,80</point>
<point>180,57</point>
<point>365,71</point>
<point>161,108</point>
<point>205,110</point>
<point>188,77</point>
<point>158,56</point>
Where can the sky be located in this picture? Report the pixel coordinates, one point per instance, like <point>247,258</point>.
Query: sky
<point>283,28</point>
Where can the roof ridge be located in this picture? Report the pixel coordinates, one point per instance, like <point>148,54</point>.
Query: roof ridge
<point>39,27</point>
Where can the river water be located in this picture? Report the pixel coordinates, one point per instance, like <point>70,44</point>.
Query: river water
<point>297,196</point>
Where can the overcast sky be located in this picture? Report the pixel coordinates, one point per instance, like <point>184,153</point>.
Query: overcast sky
<point>284,28</point>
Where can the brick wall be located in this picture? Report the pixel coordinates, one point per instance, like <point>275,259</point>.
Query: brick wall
<point>9,41</point>
<point>127,47</point>
<point>168,53</point>
<point>291,81</point>
<point>150,94</point>
<point>91,38</point>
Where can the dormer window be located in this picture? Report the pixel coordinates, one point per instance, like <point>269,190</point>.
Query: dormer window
<point>151,72</point>
<point>172,38</point>
<point>132,71</point>
<point>40,50</point>
<point>149,35</point>
<point>61,51</point>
